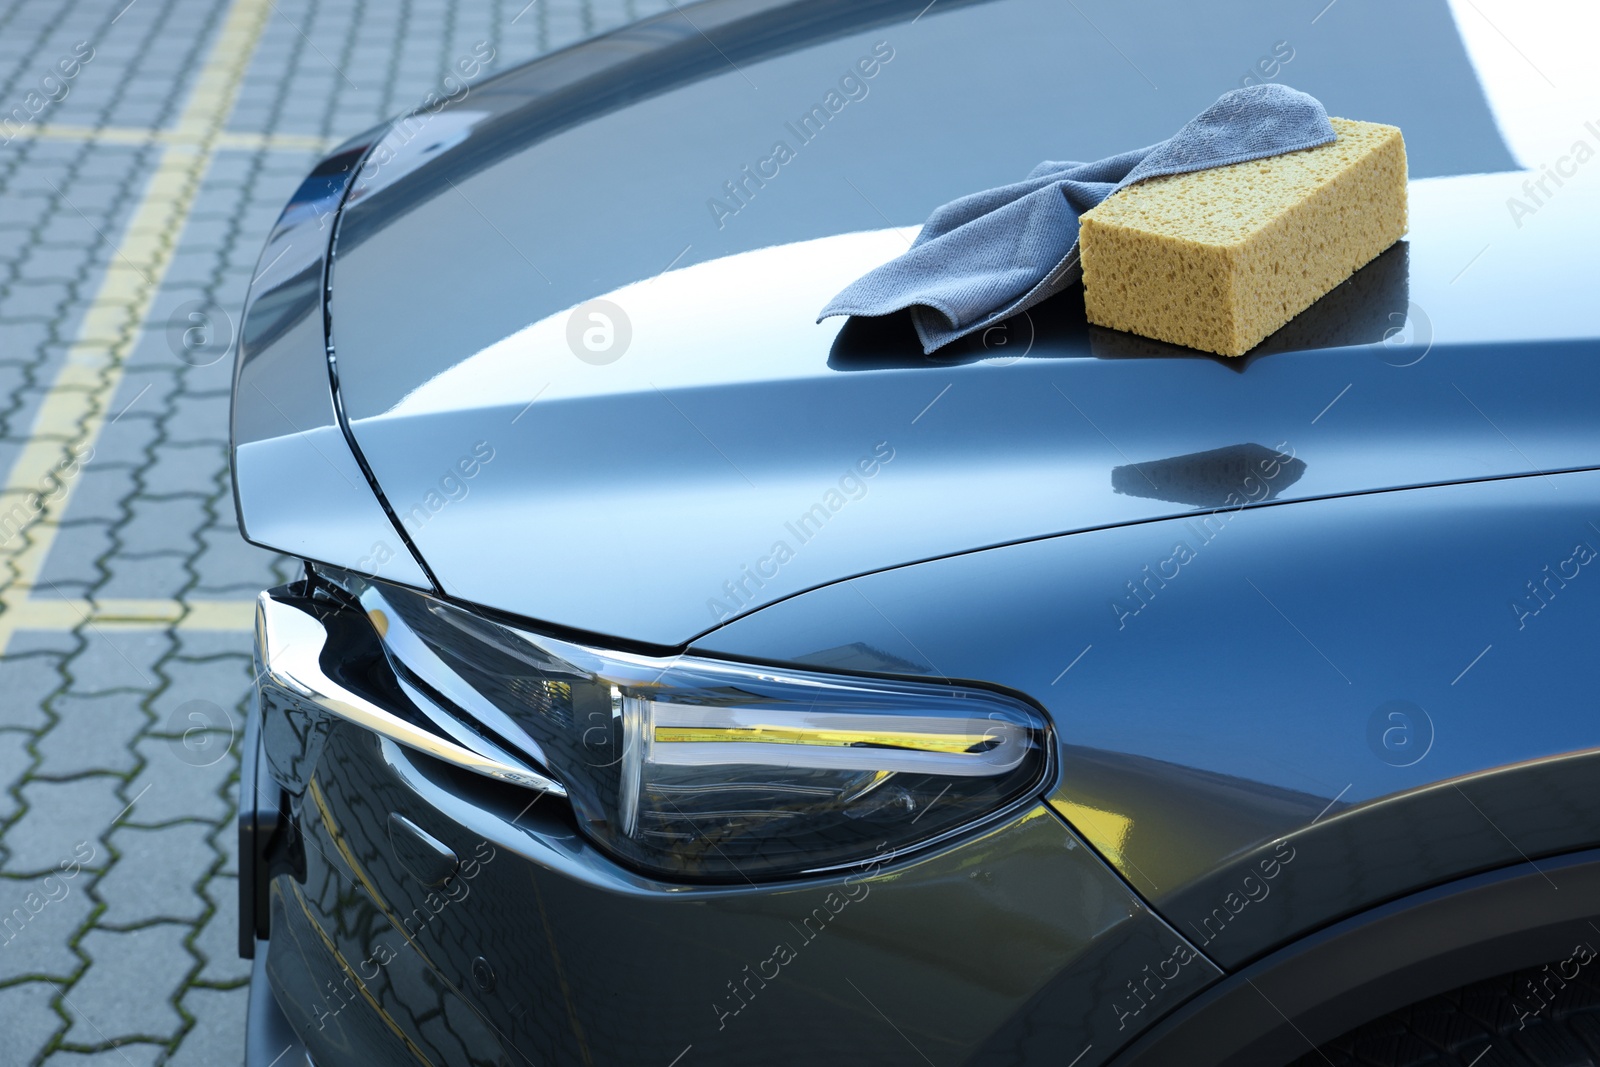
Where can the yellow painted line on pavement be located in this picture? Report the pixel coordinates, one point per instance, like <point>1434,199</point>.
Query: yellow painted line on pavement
<point>138,136</point>
<point>50,613</point>
<point>74,409</point>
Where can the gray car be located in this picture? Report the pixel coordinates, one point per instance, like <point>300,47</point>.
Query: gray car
<point>677,680</point>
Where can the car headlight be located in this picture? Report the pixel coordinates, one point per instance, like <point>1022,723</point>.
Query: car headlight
<point>715,770</point>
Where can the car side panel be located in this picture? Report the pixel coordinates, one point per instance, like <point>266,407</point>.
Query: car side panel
<point>538,949</point>
<point>1276,716</point>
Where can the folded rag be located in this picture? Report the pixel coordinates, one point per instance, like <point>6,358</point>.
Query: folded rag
<point>988,256</point>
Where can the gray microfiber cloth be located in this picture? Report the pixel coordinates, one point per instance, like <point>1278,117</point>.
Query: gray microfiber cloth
<point>988,256</point>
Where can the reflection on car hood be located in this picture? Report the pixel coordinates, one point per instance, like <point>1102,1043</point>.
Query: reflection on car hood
<point>720,464</point>
<point>734,452</point>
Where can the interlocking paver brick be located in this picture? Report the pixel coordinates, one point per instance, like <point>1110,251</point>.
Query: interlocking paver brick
<point>102,491</point>
<point>20,340</point>
<point>156,872</point>
<point>130,436</point>
<point>74,558</point>
<point>15,759</point>
<point>129,987</point>
<point>232,167</point>
<point>91,733</point>
<point>216,377</point>
<point>222,682</point>
<point>12,378</point>
<point>208,644</point>
<point>93,197</point>
<point>184,468</point>
<point>216,200</point>
<point>55,262</point>
<point>74,228</point>
<point>218,940</point>
<point>27,682</point>
<point>230,567</point>
<point>33,299</point>
<point>192,265</point>
<point>217,1037</point>
<point>115,164</point>
<point>116,658</point>
<point>228,842</point>
<point>42,178</point>
<point>199,419</point>
<point>178,782</point>
<point>23,210</point>
<point>62,820</point>
<point>148,381</point>
<point>13,241</point>
<point>209,233</point>
<point>38,919</point>
<point>29,1021</point>
<point>27,642</point>
<point>155,577</point>
<point>159,525</point>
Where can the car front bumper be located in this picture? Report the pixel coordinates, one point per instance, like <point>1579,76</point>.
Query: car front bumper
<point>419,911</point>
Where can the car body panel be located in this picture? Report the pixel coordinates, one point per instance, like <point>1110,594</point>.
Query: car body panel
<point>593,169</point>
<point>1367,673</point>
<point>591,964</point>
<point>1411,949</point>
<point>298,486</point>
<point>656,515</point>
<point>627,496</point>
<point>1397,686</point>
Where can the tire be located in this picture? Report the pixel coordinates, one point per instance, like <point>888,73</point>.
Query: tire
<point>1545,1016</point>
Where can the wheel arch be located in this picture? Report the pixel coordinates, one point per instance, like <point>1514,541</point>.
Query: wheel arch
<point>1328,982</point>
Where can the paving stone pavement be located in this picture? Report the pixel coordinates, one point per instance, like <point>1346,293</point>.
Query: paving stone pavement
<point>117,881</point>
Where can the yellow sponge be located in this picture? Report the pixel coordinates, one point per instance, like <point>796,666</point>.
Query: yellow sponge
<point>1218,259</point>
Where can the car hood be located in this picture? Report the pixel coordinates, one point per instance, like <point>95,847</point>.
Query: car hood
<point>724,451</point>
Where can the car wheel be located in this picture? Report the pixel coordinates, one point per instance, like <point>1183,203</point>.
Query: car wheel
<point>1546,1016</point>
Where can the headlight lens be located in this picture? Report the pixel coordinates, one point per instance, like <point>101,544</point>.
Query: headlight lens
<point>714,770</point>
